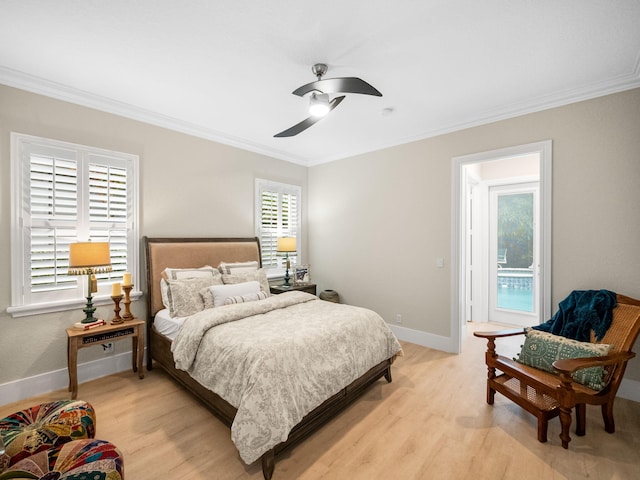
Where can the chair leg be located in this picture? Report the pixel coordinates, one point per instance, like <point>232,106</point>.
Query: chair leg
<point>581,419</point>
<point>607,416</point>
<point>565,421</point>
<point>543,424</point>
<point>491,394</point>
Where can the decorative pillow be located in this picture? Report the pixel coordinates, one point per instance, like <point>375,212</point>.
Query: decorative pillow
<point>207,297</point>
<point>184,295</point>
<point>541,349</point>
<point>259,276</point>
<point>222,292</point>
<point>45,426</point>
<point>238,267</point>
<point>182,273</point>
<point>252,297</point>
<point>76,460</point>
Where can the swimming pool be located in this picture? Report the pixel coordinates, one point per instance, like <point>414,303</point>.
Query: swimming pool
<point>520,299</point>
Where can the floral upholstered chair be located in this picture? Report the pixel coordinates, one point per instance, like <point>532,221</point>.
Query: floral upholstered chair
<point>54,441</point>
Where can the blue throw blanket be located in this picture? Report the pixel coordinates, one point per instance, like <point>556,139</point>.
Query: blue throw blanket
<point>581,312</point>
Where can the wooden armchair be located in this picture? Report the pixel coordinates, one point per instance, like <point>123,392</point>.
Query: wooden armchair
<point>547,395</point>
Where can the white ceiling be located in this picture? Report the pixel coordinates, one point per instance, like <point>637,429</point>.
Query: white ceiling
<point>225,69</point>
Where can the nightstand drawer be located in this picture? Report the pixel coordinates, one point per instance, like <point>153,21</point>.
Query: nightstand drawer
<point>302,287</point>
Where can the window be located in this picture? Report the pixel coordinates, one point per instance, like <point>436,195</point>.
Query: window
<point>64,193</point>
<point>278,212</point>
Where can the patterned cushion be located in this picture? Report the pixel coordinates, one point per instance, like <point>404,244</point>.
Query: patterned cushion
<point>184,295</point>
<point>207,298</point>
<point>541,349</point>
<point>182,273</point>
<point>44,426</point>
<point>78,460</point>
<point>259,276</point>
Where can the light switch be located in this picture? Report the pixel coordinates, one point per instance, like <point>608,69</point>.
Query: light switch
<point>440,262</point>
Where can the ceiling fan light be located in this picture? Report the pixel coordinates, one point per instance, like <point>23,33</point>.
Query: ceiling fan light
<point>319,104</point>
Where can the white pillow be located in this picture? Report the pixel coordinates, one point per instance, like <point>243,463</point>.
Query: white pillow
<point>254,297</point>
<point>222,292</point>
<point>238,267</point>
<point>180,273</point>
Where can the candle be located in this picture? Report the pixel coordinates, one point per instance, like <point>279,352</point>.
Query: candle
<point>126,279</point>
<point>115,290</point>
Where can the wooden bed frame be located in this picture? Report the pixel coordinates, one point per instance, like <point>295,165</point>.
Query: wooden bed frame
<point>196,252</point>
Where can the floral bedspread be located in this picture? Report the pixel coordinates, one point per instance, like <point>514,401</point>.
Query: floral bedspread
<point>277,359</point>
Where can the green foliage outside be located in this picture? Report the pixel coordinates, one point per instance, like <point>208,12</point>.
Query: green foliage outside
<point>515,229</point>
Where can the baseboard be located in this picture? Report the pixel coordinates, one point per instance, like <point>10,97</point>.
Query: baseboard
<point>424,339</point>
<point>629,389</point>
<point>59,379</point>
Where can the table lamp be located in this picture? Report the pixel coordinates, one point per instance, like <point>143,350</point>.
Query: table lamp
<point>89,258</point>
<point>286,245</point>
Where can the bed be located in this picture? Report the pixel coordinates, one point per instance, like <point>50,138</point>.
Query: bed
<point>263,422</point>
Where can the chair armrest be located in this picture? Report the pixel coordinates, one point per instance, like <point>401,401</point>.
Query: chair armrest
<point>571,365</point>
<point>499,333</point>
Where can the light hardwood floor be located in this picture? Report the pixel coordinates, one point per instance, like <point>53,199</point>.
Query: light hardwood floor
<point>431,422</point>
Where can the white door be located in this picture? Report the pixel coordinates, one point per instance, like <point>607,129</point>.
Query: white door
<point>513,254</point>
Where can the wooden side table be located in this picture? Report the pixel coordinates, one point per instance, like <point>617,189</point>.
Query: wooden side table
<point>304,287</point>
<point>77,339</point>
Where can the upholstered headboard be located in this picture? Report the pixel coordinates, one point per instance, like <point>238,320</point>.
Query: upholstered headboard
<point>164,253</point>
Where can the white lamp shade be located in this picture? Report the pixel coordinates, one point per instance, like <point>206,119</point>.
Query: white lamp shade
<point>286,244</point>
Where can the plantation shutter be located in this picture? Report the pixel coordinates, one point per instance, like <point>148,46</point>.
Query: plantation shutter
<point>279,216</point>
<point>61,194</point>
<point>108,212</point>
<point>53,214</point>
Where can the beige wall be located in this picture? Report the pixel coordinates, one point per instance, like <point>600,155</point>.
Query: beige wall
<point>378,221</point>
<point>188,187</point>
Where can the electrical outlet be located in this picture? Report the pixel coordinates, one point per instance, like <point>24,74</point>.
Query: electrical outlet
<point>108,348</point>
<point>398,318</point>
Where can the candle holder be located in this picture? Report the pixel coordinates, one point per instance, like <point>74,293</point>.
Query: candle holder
<point>117,319</point>
<point>127,301</point>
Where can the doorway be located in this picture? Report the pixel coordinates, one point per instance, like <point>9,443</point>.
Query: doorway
<point>474,261</point>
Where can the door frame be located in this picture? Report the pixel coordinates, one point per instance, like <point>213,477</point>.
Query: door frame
<point>458,241</point>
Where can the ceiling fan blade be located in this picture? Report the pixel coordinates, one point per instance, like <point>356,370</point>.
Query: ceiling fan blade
<point>338,85</point>
<point>307,122</point>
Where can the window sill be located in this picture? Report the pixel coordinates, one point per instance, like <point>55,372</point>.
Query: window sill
<point>51,307</point>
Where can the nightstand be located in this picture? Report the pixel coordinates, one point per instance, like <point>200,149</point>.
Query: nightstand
<point>303,287</point>
<point>77,339</point>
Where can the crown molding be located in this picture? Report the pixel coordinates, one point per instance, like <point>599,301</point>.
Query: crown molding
<point>517,109</point>
<point>23,81</point>
<point>41,86</point>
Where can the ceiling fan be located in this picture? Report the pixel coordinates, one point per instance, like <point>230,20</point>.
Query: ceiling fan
<point>319,104</point>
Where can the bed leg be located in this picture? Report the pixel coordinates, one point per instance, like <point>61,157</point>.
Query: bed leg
<point>268,464</point>
<point>387,374</point>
